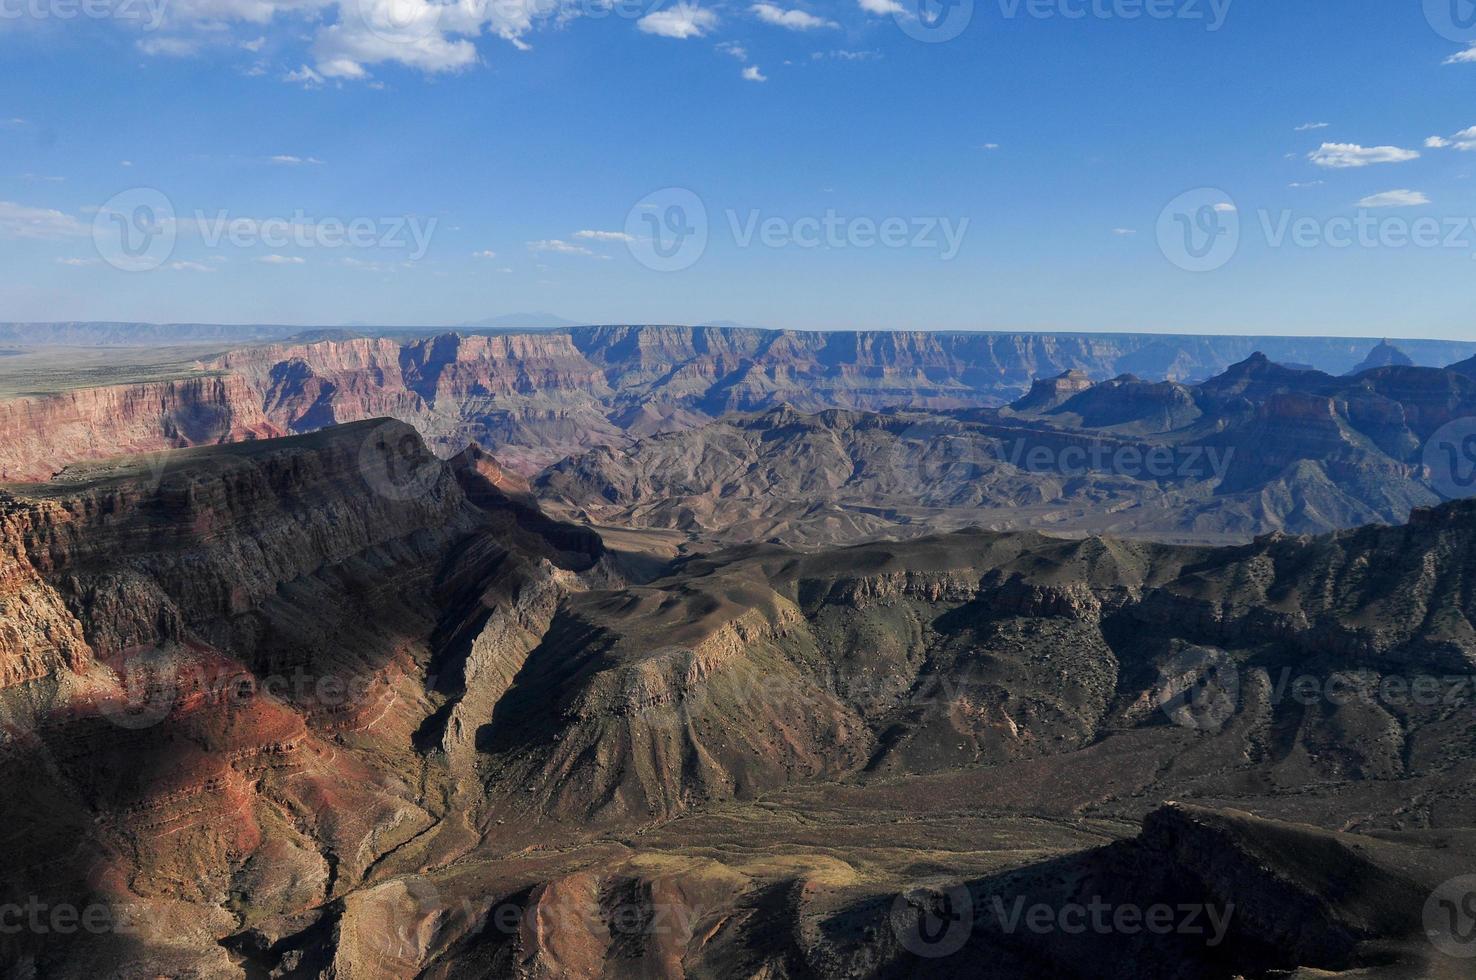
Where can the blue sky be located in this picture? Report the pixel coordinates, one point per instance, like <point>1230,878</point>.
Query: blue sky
<point>1022,167</point>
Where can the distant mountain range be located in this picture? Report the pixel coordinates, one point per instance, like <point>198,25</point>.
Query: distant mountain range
<point>1024,356</point>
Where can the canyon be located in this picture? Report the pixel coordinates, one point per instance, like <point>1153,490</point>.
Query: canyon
<point>330,705</point>
<point>660,652</point>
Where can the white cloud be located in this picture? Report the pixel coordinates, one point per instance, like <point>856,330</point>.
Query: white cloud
<point>125,163</point>
<point>1306,183</point>
<point>42,178</point>
<point>78,262</point>
<point>733,48</point>
<point>1225,207</point>
<point>1342,156</point>
<point>1124,232</point>
<point>1305,127</point>
<point>292,161</point>
<point>1464,140</point>
<point>560,247</point>
<point>303,76</point>
<point>254,46</point>
<point>20,221</point>
<point>281,259</point>
<point>794,20</point>
<point>682,21</point>
<point>882,8</point>
<point>990,146</point>
<point>484,254</point>
<point>1394,199</point>
<point>1462,57</point>
<point>604,236</point>
<point>190,267</point>
<point>753,74</point>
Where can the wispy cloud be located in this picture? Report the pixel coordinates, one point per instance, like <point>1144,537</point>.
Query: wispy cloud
<point>604,236</point>
<point>558,247</point>
<point>793,20</point>
<point>22,221</point>
<point>753,74</point>
<point>287,160</point>
<point>1310,126</point>
<point>484,254</point>
<point>1465,57</point>
<point>881,8</point>
<point>1343,156</point>
<point>281,259</point>
<point>1394,199</point>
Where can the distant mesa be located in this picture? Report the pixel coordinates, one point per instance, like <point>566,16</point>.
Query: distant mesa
<point>1384,355</point>
<point>1047,393</point>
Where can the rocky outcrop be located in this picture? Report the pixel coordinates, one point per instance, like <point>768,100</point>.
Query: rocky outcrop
<point>213,673</point>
